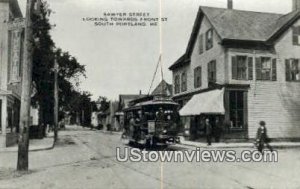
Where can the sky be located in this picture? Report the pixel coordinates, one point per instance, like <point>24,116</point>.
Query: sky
<point>122,60</point>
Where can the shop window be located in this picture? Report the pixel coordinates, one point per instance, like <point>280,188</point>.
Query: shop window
<point>292,67</point>
<point>197,77</point>
<point>242,68</point>
<point>236,107</point>
<point>266,69</point>
<point>212,72</point>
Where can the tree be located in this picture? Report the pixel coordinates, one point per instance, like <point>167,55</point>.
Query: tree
<point>70,70</point>
<point>81,108</point>
<point>104,103</point>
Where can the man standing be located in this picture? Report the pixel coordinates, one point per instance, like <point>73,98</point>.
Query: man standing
<point>262,137</point>
<point>160,117</point>
<point>218,129</point>
<point>208,129</point>
<point>132,125</point>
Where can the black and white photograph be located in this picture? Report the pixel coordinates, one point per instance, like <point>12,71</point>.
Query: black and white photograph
<point>149,94</point>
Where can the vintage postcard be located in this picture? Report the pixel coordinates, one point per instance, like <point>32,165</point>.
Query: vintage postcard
<point>146,94</point>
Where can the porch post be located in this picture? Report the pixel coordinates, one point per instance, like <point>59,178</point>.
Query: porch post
<point>3,122</point>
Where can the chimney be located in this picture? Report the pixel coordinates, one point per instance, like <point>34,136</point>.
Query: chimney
<point>230,4</point>
<point>296,5</point>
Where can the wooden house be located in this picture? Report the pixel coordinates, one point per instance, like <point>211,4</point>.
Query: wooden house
<point>245,66</point>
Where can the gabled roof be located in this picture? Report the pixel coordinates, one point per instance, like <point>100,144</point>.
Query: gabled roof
<point>241,25</point>
<point>163,88</point>
<point>238,25</point>
<point>125,99</point>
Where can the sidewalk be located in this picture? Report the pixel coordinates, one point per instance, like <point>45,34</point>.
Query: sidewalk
<point>222,144</point>
<point>34,145</point>
<point>237,145</point>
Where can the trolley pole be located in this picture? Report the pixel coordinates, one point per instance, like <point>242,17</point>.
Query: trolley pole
<point>23,138</point>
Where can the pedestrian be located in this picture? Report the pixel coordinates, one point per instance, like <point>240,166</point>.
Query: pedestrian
<point>132,126</point>
<point>208,131</point>
<point>262,138</point>
<point>218,130</point>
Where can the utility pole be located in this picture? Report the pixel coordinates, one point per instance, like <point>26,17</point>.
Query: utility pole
<point>55,101</point>
<point>23,138</point>
<point>82,118</point>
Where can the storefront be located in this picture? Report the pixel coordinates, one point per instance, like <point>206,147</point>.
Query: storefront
<point>226,107</point>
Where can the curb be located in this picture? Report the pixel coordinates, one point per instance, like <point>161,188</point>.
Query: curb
<point>241,145</point>
<point>278,145</point>
<point>32,149</point>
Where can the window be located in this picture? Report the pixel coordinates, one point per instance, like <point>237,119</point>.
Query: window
<point>242,68</point>
<point>236,100</point>
<point>201,49</point>
<point>292,69</point>
<point>212,71</point>
<point>209,39</point>
<point>296,35</point>
<point>266,69</point>
<point>183,82</point>
<point>197,77</point>
<point>177,84</point>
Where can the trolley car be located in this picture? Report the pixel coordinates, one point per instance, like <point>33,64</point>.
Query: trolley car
<point>152,121</point>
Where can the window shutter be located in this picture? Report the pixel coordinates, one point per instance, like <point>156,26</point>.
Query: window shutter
<point>212,39</point>
<point>274,70</point>
<point>182,82</point>
<point>250,68</point>
<point>214,64</point>
<point>201,44</point>
<point>258,69</point>
<point>195,77</point>
<point>234,67</point>
<point>206,40</point>
<point>287,70</point>
<point>296,36</point>
<point>209,71</point>
<point>200,76</point>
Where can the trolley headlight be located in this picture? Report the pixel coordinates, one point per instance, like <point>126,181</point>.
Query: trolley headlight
<point>164,131</point>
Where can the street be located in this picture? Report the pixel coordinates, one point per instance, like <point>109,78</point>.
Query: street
<point>87,159</point>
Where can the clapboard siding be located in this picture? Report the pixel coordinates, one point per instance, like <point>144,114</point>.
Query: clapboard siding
<point>275,102</point>
<point>216,53</point>
<point>278,104</point>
